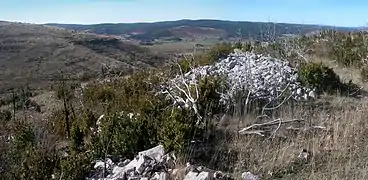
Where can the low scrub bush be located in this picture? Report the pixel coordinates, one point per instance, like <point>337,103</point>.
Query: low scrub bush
<point>320,77</point>
<point>26,159</point>
<point>76,138</point>
<point>87,120</point>
<point>219,51</point>
<point>209,96</point>
<point>154,119</point>
<point>349,49</point>
<point>74,167</point>
<point>101,94</point>
<point>57,118</point>
<point>177,129</point>
<point>122,135</point>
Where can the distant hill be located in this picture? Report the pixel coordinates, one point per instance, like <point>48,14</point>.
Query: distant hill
<point>36,54</point>
<point>216,28</point>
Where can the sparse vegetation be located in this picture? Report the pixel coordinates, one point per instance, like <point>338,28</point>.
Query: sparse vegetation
<point>34,55</point>
<point>5,115</point>
<point>219,51</point>
<point>122,116</point>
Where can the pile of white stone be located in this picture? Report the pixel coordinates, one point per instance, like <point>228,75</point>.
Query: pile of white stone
<point>263,77</point>
<point>154,164</point>
<point>149,164</point>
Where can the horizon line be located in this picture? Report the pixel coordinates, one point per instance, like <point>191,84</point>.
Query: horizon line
<point>184,19</point>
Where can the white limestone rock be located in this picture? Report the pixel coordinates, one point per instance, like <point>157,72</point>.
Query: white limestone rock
<point>249,176</point>
<point>265,77</point>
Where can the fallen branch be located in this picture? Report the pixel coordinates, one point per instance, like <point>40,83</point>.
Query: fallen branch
<point>262,116</point>
<point>270,123</point>
<point>306,129</point>
<point>257,132</point>
<point>275,131</point>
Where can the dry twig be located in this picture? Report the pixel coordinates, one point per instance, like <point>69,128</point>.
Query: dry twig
<point>247,130</point>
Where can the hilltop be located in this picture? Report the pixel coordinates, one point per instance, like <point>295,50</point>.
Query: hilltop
<point>288,109</point>
<point>199,28</point>
<point>37,54</point>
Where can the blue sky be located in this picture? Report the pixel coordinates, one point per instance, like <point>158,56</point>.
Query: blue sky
<point>329,12</point>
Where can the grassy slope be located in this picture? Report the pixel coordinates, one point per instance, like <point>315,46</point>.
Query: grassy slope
<point>35,54</point>
<point>339,151</point>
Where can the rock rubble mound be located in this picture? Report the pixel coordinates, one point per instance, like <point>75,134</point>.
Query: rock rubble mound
<point>263,77</point>
<point>154,164</point>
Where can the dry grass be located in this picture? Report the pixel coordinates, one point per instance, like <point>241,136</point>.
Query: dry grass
<point>181,47</point>
<point>345,73</point>
<point>340,151</point>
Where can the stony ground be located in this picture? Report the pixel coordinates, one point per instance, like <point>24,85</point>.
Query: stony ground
<point>322,140</point>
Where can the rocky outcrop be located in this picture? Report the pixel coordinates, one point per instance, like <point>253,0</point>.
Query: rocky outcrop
<point>149,164</point>
<point>154,164</point>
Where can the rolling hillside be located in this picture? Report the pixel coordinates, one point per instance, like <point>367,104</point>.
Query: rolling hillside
<point>227,29</point>
<point>37,54</point>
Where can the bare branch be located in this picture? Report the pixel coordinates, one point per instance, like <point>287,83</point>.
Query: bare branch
<point>282,93</point>
<point>275,107</point>
<point>257,132</point>
<point>187,92</point>
<point>306,129</point>
<point>275,131</point>
<point>182,77</point>
<point>270,123</point>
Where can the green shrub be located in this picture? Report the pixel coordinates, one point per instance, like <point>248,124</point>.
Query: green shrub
<point>57,119</point>
<point>320,77</point>
<point>274,49</point>
<point>76,136</point>
<point>37,164</point>
<point>5,115</point>
<point>27,160</point>
<point>349,49</point>
<point>87,121</point>
<point>75,167</point>
<point>125,136</point>
<point>238,45</point>
<point>65,90</point>
<point>157,122</point>
<point>99,93</point>
<point>19,98</point>
<point>186,65</point>
<point>176,130</point>
<point>219,51</point>
<point>209,97</point>
<point>24,135</point>
<point>121,135</point>
<point>247,47</point>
